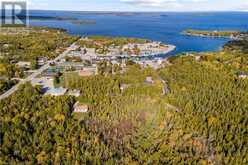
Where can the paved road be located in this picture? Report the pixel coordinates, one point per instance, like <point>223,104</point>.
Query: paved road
<point>35,74</point>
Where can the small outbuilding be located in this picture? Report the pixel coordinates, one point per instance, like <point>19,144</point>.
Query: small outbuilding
<point>80,108</point>
<point>149,80</point>
<point>242,75</point>
<point>74,92</point>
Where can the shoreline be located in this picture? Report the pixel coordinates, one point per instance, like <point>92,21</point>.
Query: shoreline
<point>207,36</point>
<point>233,35</point>
<point>170,49</point>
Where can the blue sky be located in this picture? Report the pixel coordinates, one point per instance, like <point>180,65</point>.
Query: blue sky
<point>140,5</point>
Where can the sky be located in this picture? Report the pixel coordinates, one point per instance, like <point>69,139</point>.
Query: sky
<point>140,5</point>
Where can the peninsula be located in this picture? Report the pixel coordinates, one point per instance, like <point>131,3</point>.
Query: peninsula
<point>235,35</point>
<point>121,46</point>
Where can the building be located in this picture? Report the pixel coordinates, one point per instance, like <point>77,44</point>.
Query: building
<point>242,75</point>
<point>41,61</point>
<point>69,65</point>
<point>56,91</point>
<point>75,54</point>
<point>149,80</point>
<point>24,64</point>
<point>198,58</point>
<point>80,108</point>
<point>74,92</point>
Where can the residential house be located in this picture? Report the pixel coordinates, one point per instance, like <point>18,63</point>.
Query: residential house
<point>24,64</point>
<point>198,58</point>
<point>74,92</point>
<point>243,75</point>
<point>75,54</point>
<point>149,80</point>
<point>41,61</point>
<point>80,108</point>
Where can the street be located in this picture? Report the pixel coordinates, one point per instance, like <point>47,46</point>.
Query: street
<point>35,74</point>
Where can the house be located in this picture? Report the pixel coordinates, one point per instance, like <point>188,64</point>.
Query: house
<point>242,75</point>
<point>74,92</point>
<point>5,45</point>
<point>198,58</point>
<point>24,64</point>
<point>56,91</point>
<point>75,54</point>
<point>149,80</point>
<point>41,61</point>
<point>80,108</point>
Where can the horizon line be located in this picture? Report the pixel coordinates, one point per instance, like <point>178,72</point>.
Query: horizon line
<point>113,11</point>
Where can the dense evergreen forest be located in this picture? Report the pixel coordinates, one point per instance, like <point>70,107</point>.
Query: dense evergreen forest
<point>202,119</point>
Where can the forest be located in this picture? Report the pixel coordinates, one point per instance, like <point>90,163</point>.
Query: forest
<point>202,119</point>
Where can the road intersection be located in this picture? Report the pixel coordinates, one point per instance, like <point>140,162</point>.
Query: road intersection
<point>38,72</point>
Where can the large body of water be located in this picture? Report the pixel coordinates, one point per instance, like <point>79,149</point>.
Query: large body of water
<point>165,27</point>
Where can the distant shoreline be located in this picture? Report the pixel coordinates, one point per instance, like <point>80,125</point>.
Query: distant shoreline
<point>213,34</point>
<point>57,18</point>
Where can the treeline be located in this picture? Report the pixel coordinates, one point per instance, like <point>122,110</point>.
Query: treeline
<point>30,46</point>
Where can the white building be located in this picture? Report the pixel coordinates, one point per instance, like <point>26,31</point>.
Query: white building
<point>74,92</point>
<point>24,64</point>
<point>149,80</point>
<point>80,108</point>
<point>243,75</point>
<point>56,91</point>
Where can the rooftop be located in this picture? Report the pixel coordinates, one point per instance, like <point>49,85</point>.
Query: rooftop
<point>80,107</point>
<point>56,91</point>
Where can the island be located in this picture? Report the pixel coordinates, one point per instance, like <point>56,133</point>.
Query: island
<point>235,35</point>
<point>72,20</point>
